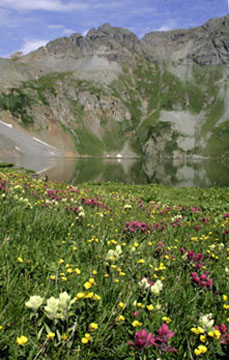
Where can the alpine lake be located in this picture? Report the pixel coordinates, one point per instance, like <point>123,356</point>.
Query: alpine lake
<point>170,172</point>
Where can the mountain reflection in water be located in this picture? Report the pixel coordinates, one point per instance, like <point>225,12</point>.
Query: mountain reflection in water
<point>170,172</point>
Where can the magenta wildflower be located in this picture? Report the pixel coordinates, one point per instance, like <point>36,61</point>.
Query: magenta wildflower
<point>161,340</point>
<point>142,340</point>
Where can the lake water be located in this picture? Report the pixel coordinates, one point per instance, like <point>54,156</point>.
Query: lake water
<point>179,173</point>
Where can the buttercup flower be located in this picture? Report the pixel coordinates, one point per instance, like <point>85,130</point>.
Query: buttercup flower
<point>93,326</point>
<point>22,340</point>
<point>51,335</point>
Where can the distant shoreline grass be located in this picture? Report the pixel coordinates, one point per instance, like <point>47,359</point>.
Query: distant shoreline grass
<point>6,165</point>
<point>112,271</point>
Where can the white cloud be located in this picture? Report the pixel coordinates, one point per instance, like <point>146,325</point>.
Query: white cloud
<point>47,5</point>
<point>170,25</point>
<point>32,44</point>
<point>164,28</point>
<point>57,5</point>
<point>68,31</point>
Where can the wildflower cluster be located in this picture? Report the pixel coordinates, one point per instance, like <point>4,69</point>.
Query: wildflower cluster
<point>94,283</point>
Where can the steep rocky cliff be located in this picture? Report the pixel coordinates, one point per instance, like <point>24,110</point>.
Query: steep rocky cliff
<point>109,92</point>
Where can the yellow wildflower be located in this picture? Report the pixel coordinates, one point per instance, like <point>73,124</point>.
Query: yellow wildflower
<point>87,285</point>
<point>200,350</point>
<point>93,326</point>
<point>203,338</point>
<point>141,261</point>
<point>19,259</point>
<point>136,323</point>
<point>64,337</point>
<point>51,335</point>
<point>166,319</point>
<point>96,297</point>
<point>79,295</point>
<point>217,334</point>
<point>121,305</point>
<point>120,318</point>
<point>22,340</point>
<point>86,339</point>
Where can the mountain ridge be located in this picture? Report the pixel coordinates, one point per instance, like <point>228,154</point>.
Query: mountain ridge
<point>162,95</point>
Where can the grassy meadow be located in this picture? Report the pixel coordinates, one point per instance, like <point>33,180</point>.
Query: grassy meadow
<point>113,271</point>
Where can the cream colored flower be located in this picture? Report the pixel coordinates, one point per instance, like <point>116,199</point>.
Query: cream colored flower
<point>65,303</point>
<point>52,308</point>
<point>144,284</point>
<point>34,302</point>
<point>157,287</point>
<point>206,322</point>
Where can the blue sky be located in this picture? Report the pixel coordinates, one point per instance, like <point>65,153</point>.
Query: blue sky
<point>26,25</point>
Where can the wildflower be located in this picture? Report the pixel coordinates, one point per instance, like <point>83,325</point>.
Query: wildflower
<point>206,322</point>
<point>136,323</point>
<point>120,318</point>
<point>79,295</point>
<point>64,337</point>
<point>114,254</point>
<point>1,327</point>
<point>19,259</point>
<point>141,261</point>
<point>61,261</point>
<point>142,340</point>
<point>64,304</point>
<point>166,319</point>
<point>34,302</point>
<point>52,308</point>
<point>51,335</point>
<point>87,285</point>
<point>144,283</point>
<point>121,305</point>
<point>86,339</point>
<point>157,287</point>
<point>200,350</point>
<point>93,326</point>
<point>198,330</point>
<point>150,307</point>
<point>162,338</point>
<point>53,277</point>
<point>203,338</point>
<point>22,340</point>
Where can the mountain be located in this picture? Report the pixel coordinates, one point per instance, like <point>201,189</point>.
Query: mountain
<point>166,94</point>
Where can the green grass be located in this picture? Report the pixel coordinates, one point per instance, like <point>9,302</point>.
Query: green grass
<point>6,164</point>
<point>212,116</point>
<point>89,143</point>
<point>56,239</point>
<point>218,145</point>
